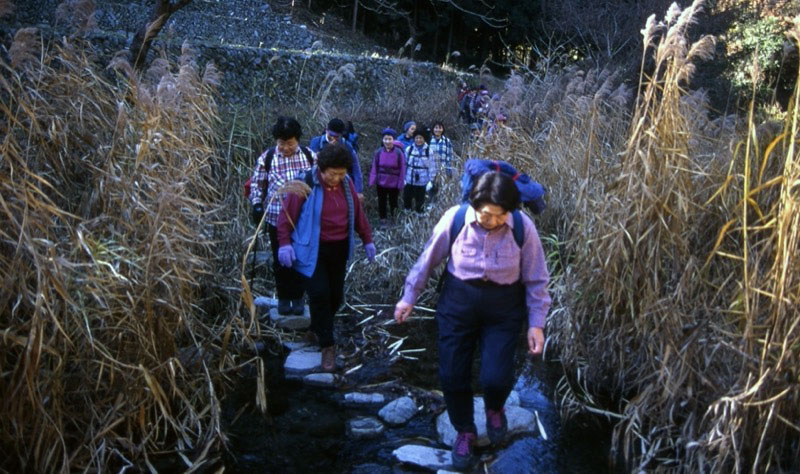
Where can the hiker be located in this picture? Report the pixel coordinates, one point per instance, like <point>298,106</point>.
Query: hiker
<point>495,281</point>
<point>498,130</point>
<point>333,134</point>
<point>420,170</point>
<point>275,167</point>
<point>479,108</point>
<point>323,240</point>
<point>442,149</point>
<point>407,138</point>
<point>387,173</point>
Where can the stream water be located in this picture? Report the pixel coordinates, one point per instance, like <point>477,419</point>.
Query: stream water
<point>305,427</point>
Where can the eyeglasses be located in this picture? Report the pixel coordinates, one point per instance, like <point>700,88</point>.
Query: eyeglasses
<point>485,215</point>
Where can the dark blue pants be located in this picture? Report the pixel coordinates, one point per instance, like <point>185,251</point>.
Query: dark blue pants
<point>489,317</point>
<point>415,194</point>
<point>325,288</point>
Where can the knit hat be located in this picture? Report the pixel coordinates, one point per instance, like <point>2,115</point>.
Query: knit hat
<point>335,127</point>
<point>388,131</point>
<point>408,125</point>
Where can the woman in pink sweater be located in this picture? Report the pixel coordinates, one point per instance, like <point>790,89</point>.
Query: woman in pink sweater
<point>387,173</point>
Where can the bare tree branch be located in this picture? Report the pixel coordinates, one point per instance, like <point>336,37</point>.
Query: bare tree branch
<point>144,37</point>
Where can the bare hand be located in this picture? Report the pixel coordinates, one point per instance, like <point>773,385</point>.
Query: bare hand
<point>535,340</point>
<point>402,311</point>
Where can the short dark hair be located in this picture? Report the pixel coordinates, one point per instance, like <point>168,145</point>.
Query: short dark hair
<point>494,188</point>
<point>422,130</point>
<point>286,128</point>
<point>334,155</point>
<point>336,126</point>
<point>439,123</point>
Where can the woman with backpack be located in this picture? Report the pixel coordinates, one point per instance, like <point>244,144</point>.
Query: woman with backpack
<point>387,173</point>
<point>420,170</point>
<point>442,149</point>
<point>317,237</point>
<point>495,282</point>
<point>278,165</point>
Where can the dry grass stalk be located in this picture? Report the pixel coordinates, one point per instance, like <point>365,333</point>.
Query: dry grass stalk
<point>110,206</point>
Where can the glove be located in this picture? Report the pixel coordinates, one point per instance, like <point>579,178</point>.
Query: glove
<point>286,255</point>
<point>258,213</point>
<point>370,251</point>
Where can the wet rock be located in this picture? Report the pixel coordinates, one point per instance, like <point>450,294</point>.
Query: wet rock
<point>358,398</point>
<point>364,427</point>
<point>423,456</point>
<point>398,411</point>
<point>320,380</point>
<point>519,419</point>
<point>299,346</point>
<point>301,363</point>
<point>290,322</point>
<point>265,302</point>
<point>526,456</point>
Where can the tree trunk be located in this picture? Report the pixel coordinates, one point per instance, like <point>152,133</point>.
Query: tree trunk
<point>435,44</point>
<point>355,14</point>
<point>143,39</point>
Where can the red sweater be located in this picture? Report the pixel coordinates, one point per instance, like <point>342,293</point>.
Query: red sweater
<point>334,216</point>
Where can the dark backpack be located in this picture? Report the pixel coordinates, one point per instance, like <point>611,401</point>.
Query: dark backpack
<point>268,166</point>
<point>458,223</point>
<point>532,194</point>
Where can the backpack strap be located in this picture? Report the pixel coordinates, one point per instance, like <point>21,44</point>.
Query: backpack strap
<point>519,228</point>
<point>455,229</point>
<point>309,155</point>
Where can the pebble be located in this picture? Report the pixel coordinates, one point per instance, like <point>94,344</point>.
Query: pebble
<point>398,411</point>
<point>359,398</point>
<point>364,427</point>
<point>423,456</point>
<point>320,380</point>
<point>301,363</point>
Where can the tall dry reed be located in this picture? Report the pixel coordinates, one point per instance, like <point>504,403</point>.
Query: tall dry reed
<point>110,204</point>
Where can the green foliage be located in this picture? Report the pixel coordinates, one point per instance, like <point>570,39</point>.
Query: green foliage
<point>755,43</point>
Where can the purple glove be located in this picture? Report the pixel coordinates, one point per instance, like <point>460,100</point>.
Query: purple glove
<point>371,251</point>
<point>286,255</point>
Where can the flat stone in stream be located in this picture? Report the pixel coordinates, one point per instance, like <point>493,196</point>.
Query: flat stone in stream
<point>290,322</point>
<point>398,411</point>
<point>359,398</point>
<point>364,427</point>
<point>320,380</point>
<point>423,456</point>
<point>528,455</point>
<point>300,363</point>
<point>519,419</point>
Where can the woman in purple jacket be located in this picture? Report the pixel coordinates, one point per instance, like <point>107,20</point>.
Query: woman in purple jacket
<point>495,284</point>
<point>387,173</point>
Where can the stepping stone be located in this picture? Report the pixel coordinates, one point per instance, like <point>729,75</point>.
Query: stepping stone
<point>301,363</point>
<point>300,346</point>
<point>519,419</point>
<point>320,380</point>
<point>423,456</point>
<point>520,455</point>
<point>290,322</point>
<point>265,301</point>
<point>358,398</point>
<point>364,427</point>
<point>398,411</point>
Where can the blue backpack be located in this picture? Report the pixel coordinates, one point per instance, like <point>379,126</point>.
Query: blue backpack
<point>531,193</point>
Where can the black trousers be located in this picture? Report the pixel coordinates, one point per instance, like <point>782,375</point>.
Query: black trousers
<point>488,317</point>
<point>415,193</point>
<point>387,196</point>
<point>288,283</point>
<point>326,288</point>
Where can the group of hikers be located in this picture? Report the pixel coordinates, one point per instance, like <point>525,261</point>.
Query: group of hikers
<point>496,274</point>
<point>480,109</point>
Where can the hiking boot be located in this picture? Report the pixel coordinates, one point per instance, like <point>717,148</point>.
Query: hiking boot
<point>284,307</point>
<point>462,456</point>
<point>496,425</point>
<point>298,307</point>
<point>329,359</point>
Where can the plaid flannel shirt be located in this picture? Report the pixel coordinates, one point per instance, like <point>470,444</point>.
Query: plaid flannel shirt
<point>442,149</point>
<point>283,170</point>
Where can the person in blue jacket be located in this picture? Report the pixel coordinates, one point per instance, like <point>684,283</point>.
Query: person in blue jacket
<point>333,134</point>
<point>407,137</point>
